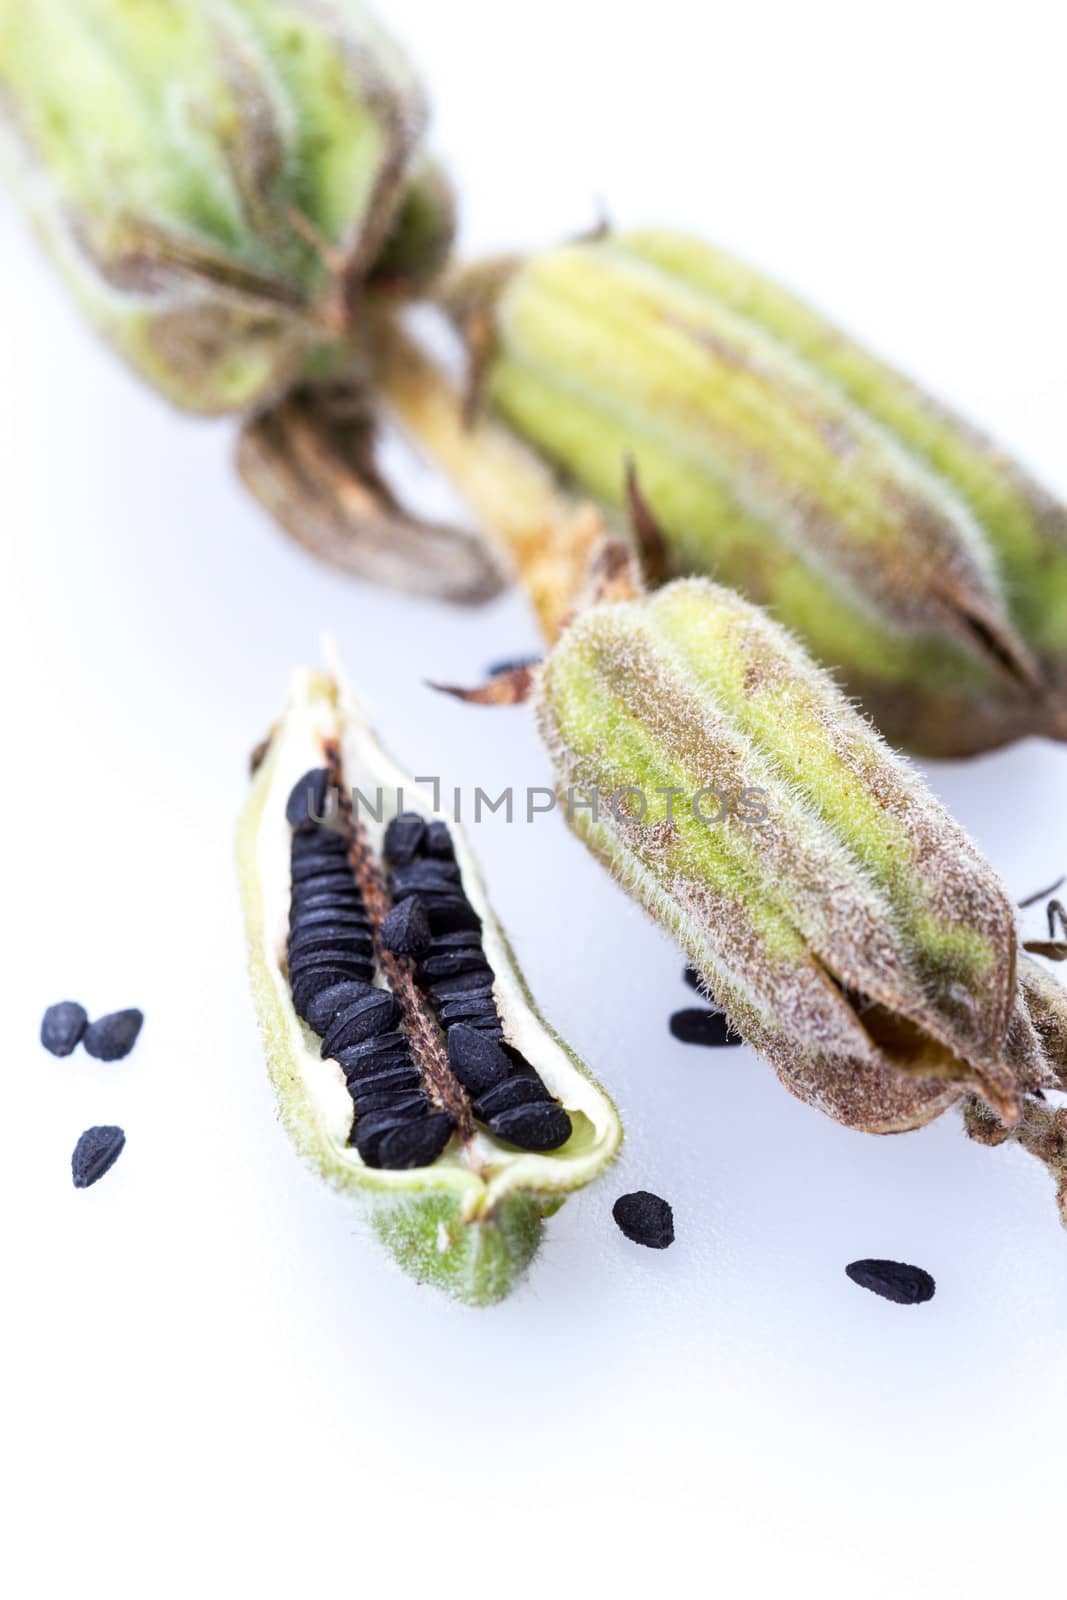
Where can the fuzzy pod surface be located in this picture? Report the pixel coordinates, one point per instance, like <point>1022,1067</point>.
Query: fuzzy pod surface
<point>471,1222</point>
<point>215,178</point>
<point>849,929</point>
<point>910,553</point>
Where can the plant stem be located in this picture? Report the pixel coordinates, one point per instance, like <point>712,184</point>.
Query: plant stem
<point>549,537</point>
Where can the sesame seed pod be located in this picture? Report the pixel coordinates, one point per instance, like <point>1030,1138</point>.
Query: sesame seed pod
<point>910,554</point>
<point>214,179</point>
<point>845,924</point>
<point>469,1221</point>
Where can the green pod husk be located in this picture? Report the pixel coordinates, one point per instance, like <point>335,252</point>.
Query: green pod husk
<point>215,178</point>
<point>471,1223</point>
<point>910,554</point>
<point>847,926</point>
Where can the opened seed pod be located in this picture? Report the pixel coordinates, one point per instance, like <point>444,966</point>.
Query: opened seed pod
<point>411,1066</point>
<point>215,178</point>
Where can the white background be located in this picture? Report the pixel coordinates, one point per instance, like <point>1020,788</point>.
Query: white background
<point>215,1379</point>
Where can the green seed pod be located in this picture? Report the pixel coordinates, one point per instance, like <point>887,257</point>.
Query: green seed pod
<point>847,926</point>
<point>470,1220</point>
<point>909,554</point>
<point>214,178</point>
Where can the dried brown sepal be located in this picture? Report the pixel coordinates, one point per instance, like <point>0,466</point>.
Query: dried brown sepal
<point>614,576</point>
<point>512,688</point>
<point>1041,894</point>
<point>651,541</point>
<point>1052,948</point>
<point>259,755</point>
<point>310,460</point>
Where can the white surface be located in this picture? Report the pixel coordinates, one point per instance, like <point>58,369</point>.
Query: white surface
<point>215,1380</point>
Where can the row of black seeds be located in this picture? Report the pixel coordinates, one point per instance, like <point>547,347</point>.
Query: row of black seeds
<point>331,968</point>
<point>434,924</point>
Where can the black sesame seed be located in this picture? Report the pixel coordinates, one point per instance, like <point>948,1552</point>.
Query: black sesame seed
<point>376,1045</point>
<point>477,1062</point>
<point>388,1077</point>
<point>479,1008</point>
<point>893,1280</point>
<point>344,941</point>
<point>393,1072</point>
<point>324,841</point>
<point>462,939</point>
<point>406,929</point>
<point>324,1009</point>
<point>450,963</point>
<point>404,837</point>
<point>112,1037</point>
<point>345,963</point>
<point>438,841</point>
<point>94,1154</point>
<point>324,900</point>
<point>488,1027</point>
<point>440,877</point>
<point>450,913</point>
<point>541,1126</point>
<point>645,1218</point>
<point>518,1061</point>
<point>480,999</point>
<point>694,1026</point>
<point>333,881</point>
<point>315,981</point>
<point>307,800</point>
<point>431,899</point>
<point>470,1004</point>
<point>480,979</point>
<point>499,667</point>
<point>62,1026</point>
<point>517,1091</point>
<point>692,977</point>
<point>321,867</point>
<point>375,1013</point>
<point>370,1128</point>
<point>417,1145</point>
<point>307,951</point>
<point>335,870</point>
<point>322,938</point>
<point>325,851</point>
<point>328,917</point>
<point>404,1108</point>
<point>406,1101</point>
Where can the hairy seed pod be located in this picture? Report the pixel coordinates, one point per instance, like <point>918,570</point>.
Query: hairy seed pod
<point>459,1209</point>
<point>845,924</point>
<point>911,555</point>
<point>216,178</point>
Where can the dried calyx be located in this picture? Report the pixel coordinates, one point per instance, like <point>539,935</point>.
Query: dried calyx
<point>410,1063</point>
<point>311,462</point>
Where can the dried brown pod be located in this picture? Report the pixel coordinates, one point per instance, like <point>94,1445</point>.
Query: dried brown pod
<point>310,460</point>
